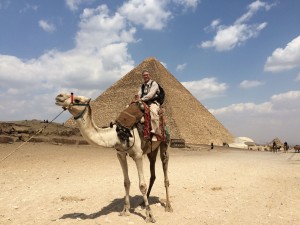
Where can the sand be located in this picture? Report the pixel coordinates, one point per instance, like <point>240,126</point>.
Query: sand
<point>45,184</point>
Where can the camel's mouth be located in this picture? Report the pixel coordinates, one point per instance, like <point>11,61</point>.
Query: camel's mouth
<point>58,103</point>
<point>66,100</point>
<point>60,100</point>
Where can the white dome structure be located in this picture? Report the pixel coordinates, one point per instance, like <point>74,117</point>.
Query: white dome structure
<point>242,142</point>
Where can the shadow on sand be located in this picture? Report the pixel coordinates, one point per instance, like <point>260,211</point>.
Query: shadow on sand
<point>115,206</point>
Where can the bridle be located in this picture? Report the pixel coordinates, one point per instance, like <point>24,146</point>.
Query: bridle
<point>79,115</point>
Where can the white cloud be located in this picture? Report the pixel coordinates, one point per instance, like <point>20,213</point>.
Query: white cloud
<point>206,88</point>
<point>4,4</point>
<point>256,120</point>
<point>250,84</point>
<point>244,108</point>
<point>213,25</point>
<point>29,7</point>
<point>283,59</point>
<point>164,64</point>
<point>73,5</point>
<point>186,4</point>
<point>181,67</point>
<point>252,9</point>
<point>229,37</point>
<point>151,14</point>
<point>286,96</point>
<point>280,102</point>
<point>98,29</point>
<point>46,26</point>
<point>100,57</point>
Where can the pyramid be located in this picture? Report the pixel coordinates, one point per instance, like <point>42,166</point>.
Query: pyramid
<point>277,141</point>
<point>186,117</point>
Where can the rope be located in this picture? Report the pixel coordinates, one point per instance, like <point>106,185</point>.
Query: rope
<point>39,131</point>
<point>133,141</point>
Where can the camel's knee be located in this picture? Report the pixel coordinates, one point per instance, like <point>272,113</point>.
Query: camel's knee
<point>152,178</point>
<point>167,183</point>
<point>164,156</point>
<point>143,188</point>
<point>127,184</point>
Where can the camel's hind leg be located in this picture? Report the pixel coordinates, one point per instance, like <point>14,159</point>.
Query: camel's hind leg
<point>123,161</point>
<point>164,155</point>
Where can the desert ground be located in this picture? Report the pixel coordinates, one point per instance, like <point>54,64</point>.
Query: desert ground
<point>43,183</point>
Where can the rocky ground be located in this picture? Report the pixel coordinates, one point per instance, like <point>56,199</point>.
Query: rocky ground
<point>39,131</point>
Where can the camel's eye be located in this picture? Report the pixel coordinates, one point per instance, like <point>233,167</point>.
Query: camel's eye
<point>77,101</point>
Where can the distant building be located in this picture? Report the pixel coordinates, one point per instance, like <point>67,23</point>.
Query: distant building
<point>242,142</point>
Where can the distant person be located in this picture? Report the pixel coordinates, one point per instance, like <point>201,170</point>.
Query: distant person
<point>285,147</point>
<point>211,146</point>
<point>274,146</point>
<point>148,93</point>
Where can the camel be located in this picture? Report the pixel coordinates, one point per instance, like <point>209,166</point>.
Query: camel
<point>276,148</point>
<point>79,107</point>
<point>297,148</point>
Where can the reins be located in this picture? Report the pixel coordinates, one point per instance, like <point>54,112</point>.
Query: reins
<point>133,141</point>
<point>79,104</point>
<point>39,131</point>
<point>82,112</point>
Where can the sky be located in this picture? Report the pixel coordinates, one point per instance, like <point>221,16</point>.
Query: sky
<point>239,58</point>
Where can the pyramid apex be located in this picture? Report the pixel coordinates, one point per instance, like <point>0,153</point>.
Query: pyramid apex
<point>151,58</point>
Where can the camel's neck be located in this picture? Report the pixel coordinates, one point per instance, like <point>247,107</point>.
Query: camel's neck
<point>106,137</point>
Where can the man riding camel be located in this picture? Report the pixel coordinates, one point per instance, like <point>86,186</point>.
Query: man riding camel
<point>148,93</point>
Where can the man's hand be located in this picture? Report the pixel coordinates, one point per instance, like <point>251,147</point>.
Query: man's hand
<point>137,97</point>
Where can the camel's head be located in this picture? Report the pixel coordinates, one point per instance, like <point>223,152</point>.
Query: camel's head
<point>75,104</point>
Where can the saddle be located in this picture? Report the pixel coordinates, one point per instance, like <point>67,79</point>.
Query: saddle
<point>131,116</point>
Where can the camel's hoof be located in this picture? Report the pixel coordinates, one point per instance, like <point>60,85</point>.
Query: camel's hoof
<point>149,216</point>
<point>125,212</point>
<point>168,208</point>
<point>150,219</point>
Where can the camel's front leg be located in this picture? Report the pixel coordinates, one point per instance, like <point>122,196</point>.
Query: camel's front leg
<point>123,161</point>
<point>143,188</point>
<point>152,159</point>
<point>164,155</point>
